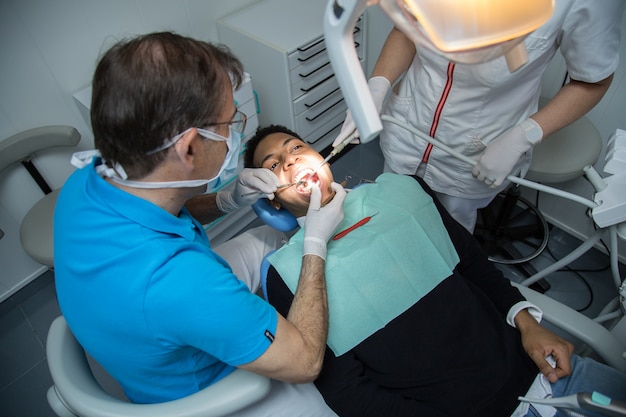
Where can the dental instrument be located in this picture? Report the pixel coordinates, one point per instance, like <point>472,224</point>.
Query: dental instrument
<point>512,178</point>
<point>593,401</point>
<point>354,226</point>
<point>335,151</point>
<point>280,187</point>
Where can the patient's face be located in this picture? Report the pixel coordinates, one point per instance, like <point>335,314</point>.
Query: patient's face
<point>293,160</point>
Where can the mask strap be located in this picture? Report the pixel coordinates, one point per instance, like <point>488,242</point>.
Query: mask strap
<point>118,174</point>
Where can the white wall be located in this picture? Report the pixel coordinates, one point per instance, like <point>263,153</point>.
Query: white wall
<point>48,51</point>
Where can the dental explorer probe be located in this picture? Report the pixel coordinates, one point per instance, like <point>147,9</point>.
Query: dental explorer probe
<point>280,187</point>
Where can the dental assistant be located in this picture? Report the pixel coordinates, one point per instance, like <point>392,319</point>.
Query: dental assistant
<point>137,280</point>
<point>485,112</point>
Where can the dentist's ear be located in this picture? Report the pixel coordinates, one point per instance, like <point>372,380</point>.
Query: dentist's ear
<point>185,147</point>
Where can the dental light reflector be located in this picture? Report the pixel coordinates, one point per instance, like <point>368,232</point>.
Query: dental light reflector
<point>463,31</point>
<point>462,25</point>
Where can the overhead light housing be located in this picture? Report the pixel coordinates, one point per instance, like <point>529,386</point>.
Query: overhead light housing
<point>463,31</point>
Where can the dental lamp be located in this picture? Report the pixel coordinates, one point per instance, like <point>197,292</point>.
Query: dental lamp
<point>463,31</point>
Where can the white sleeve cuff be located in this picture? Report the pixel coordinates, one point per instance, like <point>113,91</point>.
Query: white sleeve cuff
<point>532,309</point>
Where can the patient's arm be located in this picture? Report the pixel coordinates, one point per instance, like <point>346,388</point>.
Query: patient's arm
<point>539,343</point>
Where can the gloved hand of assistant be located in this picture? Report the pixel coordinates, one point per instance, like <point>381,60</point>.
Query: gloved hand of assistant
<point>252,184</point>
<point>379,87</point>
<point>321,222</point>
<point>501,155</point>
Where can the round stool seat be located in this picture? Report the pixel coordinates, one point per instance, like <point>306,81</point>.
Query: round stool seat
<point>562,156</point>
<point>36,230</point>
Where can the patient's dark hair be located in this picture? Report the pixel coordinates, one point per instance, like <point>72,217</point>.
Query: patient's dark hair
<point>149,88</point>
<point>262,133</point>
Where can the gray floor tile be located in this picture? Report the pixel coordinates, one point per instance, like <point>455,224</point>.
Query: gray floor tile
<point>41,309</point>
<point>20,349</point>
<point>7,305</point>
<point>33,287</point>
<point>362,162</point>
<point>27,396</point>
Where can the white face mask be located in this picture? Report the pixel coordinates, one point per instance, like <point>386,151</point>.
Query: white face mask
<point>118,174</point>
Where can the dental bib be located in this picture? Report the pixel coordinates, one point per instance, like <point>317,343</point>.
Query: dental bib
<point>378,270</point>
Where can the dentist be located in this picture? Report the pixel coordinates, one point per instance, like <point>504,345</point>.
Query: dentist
<point>137,279</point>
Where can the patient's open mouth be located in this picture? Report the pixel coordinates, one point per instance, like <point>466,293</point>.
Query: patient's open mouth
<point>305,180</point>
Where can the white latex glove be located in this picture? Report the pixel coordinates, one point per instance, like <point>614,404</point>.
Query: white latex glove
<point>379,86</point>
<point>249,180</point>
<point>501,155</point>
<point>321,222</point>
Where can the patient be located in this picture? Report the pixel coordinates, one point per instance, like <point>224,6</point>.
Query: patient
<point>421,323</point>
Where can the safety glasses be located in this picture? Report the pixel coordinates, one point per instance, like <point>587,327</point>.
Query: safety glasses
<point>237,125</point>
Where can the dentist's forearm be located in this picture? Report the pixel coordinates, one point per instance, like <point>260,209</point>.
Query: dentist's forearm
<point>203,208</point>
<point>309,311</point>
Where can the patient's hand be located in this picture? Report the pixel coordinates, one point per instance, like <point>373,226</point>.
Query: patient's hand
<point>539,343</point>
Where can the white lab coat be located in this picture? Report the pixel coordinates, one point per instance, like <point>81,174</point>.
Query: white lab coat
<point>485,100</point>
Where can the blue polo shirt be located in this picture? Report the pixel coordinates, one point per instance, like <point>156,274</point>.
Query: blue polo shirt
<point>146,296</point>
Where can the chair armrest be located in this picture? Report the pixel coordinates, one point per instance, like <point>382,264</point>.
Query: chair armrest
<point>603,342</point>
<point>77,389</point>
<point>23,144</point>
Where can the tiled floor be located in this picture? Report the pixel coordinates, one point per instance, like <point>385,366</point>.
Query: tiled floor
<point>26,316</point>
<point>24,322</point>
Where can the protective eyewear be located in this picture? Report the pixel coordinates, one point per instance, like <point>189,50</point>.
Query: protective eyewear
<point>237,125</point>
<point>238,122</point>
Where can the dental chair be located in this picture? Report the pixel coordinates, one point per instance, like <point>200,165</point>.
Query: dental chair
<point>76,392</point>
<point>605,344</point>
<point>36,227</point>
<point>592,338</point>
